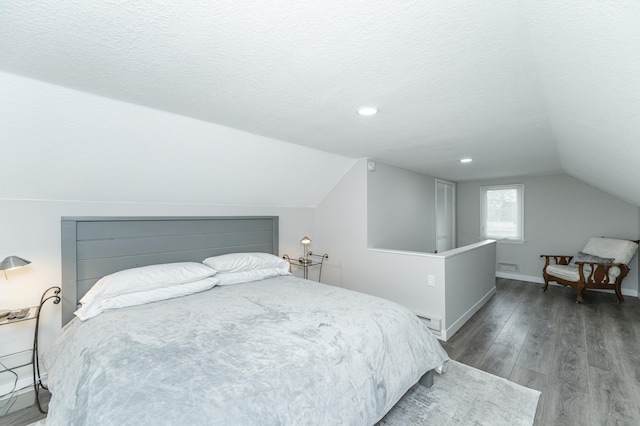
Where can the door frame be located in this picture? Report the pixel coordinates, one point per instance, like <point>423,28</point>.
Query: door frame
<point>453,212</point>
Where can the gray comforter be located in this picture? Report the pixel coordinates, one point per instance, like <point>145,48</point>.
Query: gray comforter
<point>282,351</point>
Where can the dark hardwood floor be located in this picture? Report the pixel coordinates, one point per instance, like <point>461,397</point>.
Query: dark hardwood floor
<point>584,358</point>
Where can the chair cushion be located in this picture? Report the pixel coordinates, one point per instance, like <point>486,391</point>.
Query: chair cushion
<point>570,273</point>
<point>566,272</point>
<point>622,251</point>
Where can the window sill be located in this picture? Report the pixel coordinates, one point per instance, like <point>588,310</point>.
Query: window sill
<point>505,241</point>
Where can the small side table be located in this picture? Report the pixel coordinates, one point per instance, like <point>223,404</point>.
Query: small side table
<point>34,314</point>
<point>10,367</point>
<point>314,260</point>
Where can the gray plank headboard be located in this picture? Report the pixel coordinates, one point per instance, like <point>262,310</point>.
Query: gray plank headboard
<point>93,247</point>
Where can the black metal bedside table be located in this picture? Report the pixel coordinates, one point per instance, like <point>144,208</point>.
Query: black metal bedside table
<point>312,260</point>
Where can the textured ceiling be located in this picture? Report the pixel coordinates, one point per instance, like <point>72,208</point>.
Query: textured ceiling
<point>529,87</point>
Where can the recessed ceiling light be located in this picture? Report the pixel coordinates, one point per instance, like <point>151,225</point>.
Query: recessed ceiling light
<point>368,111</point>
<point>466,160</point>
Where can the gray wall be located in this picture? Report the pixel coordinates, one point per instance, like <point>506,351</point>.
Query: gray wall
<point>560,214</point>
<point>401,209</point>
<point>400,276</point>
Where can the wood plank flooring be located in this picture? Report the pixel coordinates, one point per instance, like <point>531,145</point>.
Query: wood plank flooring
<point>28,415</point>
<point>584,358</point>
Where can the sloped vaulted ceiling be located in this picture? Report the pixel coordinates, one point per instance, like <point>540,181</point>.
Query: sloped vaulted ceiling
<point>589,60</point>
<point>523,87</point>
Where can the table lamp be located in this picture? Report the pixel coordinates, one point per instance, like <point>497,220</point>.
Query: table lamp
<point>305,241</point>
<point>11,262</point>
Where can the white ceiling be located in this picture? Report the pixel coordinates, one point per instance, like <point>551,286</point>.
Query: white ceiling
<point>523,87</point>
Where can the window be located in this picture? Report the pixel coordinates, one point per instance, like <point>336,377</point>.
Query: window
<point>502,212</point>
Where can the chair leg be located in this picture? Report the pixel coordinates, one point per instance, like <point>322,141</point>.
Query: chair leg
<point>619,294</point>
<point>546,281</point>
<point>579,289</point>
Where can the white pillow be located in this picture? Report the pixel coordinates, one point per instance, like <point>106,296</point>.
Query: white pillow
<point>248,276</point>
<point>147,278</point>
<point>238,262</point>
<point>99,304</point>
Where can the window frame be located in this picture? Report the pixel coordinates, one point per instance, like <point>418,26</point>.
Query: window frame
<point>519,187</point>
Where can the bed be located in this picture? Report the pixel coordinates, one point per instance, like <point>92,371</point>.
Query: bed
<point>277,350</point>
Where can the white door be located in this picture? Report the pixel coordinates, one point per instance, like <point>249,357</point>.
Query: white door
<point>445,215</point>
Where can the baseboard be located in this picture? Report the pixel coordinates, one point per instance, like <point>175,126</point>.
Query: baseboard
<point>519,277</point>
<point>540,280</point>
<point>450,331</point>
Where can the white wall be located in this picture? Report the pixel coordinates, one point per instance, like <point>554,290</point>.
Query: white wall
<point>61,144</point>
<point>341,228</point>
<point>560,214</point>
<point>470,282</point>
<point>400,276</point>
<point>401,206</point>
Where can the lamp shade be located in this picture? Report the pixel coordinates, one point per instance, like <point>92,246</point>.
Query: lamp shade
<point>305,241</point>
<point>13,262</point>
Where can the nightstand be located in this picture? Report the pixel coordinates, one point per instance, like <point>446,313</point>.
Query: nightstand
<point>33,314</point>
<point>14,362</point>
<point>313,260</point>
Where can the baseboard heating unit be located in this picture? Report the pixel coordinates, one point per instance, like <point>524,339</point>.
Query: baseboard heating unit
<point>433,323</point>
<point>511,267</point>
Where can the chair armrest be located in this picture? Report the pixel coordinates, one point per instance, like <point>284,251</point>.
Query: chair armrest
<point>560,259</point>
<point>599,273</point>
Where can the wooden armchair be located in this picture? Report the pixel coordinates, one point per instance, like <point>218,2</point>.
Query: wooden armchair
<point>602,264</point>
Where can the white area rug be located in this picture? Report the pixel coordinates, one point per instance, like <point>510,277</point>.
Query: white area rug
<point>465,396</point>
